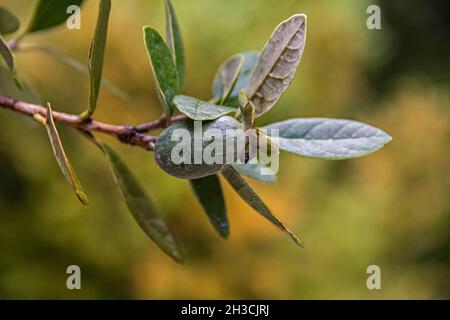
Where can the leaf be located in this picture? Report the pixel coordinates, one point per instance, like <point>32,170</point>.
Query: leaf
<point>249,195</point>
<point>96,55</point>
<point>175,41</point>
<point>199,110</point>
<point>257,171</point>
<point>78,66</point>
<point>141,207</point>
<point>61,158</point>
<point>242,81</point>
<point>209,193</point>
<point>9,23</point>
<point>277,64</point>
<point>50,13</point>
<point>179,151</point>
<point>328,138</point>
<point>7,56</point>
<point>8,86</point>
<point>163,68</point>
<point>226,77</point>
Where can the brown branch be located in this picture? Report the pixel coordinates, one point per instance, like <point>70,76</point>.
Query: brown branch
<point>133,135</point>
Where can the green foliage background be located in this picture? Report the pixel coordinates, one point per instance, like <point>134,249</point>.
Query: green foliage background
<point>391,209</point>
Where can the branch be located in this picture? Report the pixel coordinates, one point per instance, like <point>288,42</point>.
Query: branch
<point>132,135</point>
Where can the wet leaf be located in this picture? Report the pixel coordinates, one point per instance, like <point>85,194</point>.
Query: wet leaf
<point>249,195</point>
<point>209,192</point>
<point>199,110</point>
<point>277,64</point>
<point>163,68</point>
<point>97,54</point>
<point>180,149</point>
<point>61,158</point>
<point>50,13</point>
<point>242,81</point>
<point>9,23</point>
<point>141,207</point>
<point>326,138</point>
<point>226,77</point>
<point>175,41</point>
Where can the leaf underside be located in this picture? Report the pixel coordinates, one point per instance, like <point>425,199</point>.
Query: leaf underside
<point>199,110</point>
<point>141,207</point>
<point>277,64</point>
<point>257,172</point>
<point>241,82</point>
<point>326,138</point>
<point>226,77</point>
<point>209,193</point>
<point>61,158</point>
<point>249,195</point>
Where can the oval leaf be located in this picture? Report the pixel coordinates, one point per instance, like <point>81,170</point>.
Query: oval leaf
<point>199,110</point>
<point>163,68</point>
<point>242,81</point>
<point>277,64</point>
<point>175,41</point>
<point>97,55</point>
<point>141,207</point>
<point>50,13</point>
<point>9,23</point>
<point>328,138</point>
<point>249,195</point>
<point>180,148</point>
<point>61,158</point>
<point>226,77</point>
<point>209,192</point>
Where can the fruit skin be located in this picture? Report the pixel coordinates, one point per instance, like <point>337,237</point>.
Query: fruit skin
<point>165,145</point>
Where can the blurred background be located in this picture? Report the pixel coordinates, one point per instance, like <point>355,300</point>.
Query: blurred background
<point>390,209</point>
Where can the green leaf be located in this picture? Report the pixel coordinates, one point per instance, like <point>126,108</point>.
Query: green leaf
<point>61,158</point>
<point>141,207</point>
<point>7,56</point>
<point>325,138</point>
<point>163,68</point>
<point>199,110</point>
<point>209,193</point>
<point>226,77</point>
<point>175,41</point>
<point>242,81</point>
<point>8,86</point>
<point>277,64</point>
<point>249,195</point>
<point>181,141</point>
<point>9,23</point>
<point>96,55</point>
<point>257,171</point>
<point>50,13</point>
<point>78,66</point>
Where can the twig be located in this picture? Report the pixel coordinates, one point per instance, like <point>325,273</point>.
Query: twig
<point>128,134</point>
